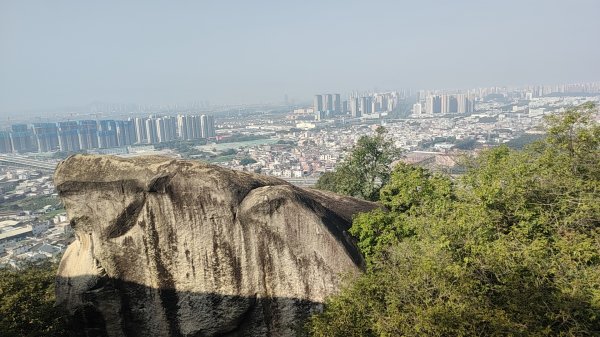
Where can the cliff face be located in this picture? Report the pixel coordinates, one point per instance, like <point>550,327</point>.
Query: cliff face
<point>179,248</point>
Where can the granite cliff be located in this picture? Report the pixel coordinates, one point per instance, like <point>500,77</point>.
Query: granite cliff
<point>170,247</point>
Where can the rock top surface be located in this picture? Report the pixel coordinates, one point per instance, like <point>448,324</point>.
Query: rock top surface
<point>170,247</point>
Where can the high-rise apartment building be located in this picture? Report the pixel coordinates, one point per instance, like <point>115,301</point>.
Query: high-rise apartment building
<point>140,130</point>
<point>161,132</point>
<point>46,136</point>
<point>319,115</point>
<point>5,142</point>
<point>318,103</point>
<point>337,104</point>
<point>68,136</point>
<point>464,104</point>
<point>417,109</point>
<point>170,128</point>
<point>365,105</point>
<point>328,102</point>
<point>189,127</point>
<point>196,127</point>
<point>182,127</point>
<point>444,104</point>
<point>88,134</point>
<point>125,133</point>
<point>212,131</point>
<point>203,126</point>
<point>166,128</point>
<point>433,104</point>
<point>151,136</point>
<point>354,107</point>
<point>22,138</point>
<point>107,134</point>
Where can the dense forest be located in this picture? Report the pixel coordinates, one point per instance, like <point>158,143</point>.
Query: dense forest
<point>511,248</point>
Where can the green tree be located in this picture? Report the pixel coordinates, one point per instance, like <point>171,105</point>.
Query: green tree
<point>411,192</point>
<point>513,248</point>
<point>27,302</point>
<point>247,161</point>
<point>365,170</point>
<point>328,182</point>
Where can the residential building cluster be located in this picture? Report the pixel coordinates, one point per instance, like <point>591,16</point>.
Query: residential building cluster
<point>571,89</point>
<point>330,105</point>
<point>361,105</point>
<point>20,183</point>
<point>435,138</point>
<point>300,156</point>
<point>34,232</point>
<point>30,239</point>
<point>518,93</point>
<point>444,104</point>
<point>73,136</point>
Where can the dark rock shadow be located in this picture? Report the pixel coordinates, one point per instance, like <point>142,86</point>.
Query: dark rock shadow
<point>114,307</point>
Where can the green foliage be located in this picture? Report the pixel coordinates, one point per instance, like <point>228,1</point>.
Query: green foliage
<point>511,249</point>
<point>64,154</point>
<point>327,181</point>
<point>414,188</point>
<point>242,138</point>
<point>286,142</point>
<point>520,142</point>
<point>247,161</point>
<point>31,203</point>
<point>228,152</point>
<point>27,302</point>
<point>411,192</point>
<point>466,144</point>
<point>366,169</point>
<point>186,148</point>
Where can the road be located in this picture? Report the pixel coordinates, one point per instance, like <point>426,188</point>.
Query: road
<point>20,161</point>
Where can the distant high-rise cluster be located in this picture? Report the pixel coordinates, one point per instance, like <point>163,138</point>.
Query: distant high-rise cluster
<point>373,103</point>
<point>524,92</point>
<point>444,104</point>
<point>80,135</point>
<point>327,105</point>
<point>574,88</point>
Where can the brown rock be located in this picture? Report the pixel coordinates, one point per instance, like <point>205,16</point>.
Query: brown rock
<point>182,248</point>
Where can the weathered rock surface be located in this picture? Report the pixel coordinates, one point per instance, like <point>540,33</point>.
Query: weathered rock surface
<point>179,248</point>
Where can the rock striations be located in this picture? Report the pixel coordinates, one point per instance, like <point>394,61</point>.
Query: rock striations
<point>170,247</point>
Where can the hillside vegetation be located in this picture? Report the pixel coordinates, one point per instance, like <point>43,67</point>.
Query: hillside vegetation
<point>512,248</point>
<point>27,302</point>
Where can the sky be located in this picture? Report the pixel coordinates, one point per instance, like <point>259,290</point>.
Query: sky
<point>71,53</point>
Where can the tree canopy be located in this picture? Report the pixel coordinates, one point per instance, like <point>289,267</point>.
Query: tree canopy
<point>365,170</point>
<point>247,161</point>
<point>27,302</point>
<point>511,248</point>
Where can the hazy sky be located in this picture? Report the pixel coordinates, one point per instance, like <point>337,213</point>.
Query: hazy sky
<point>67,53</point>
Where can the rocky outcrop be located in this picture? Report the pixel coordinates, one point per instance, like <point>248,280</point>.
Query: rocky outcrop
<point>170,247</point>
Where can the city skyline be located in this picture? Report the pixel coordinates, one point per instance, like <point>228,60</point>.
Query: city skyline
<point>63,54</point>
<point>106,109</point>
<point>82,135</point>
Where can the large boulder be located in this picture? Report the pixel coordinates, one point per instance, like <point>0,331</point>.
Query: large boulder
<point>169,247</point>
